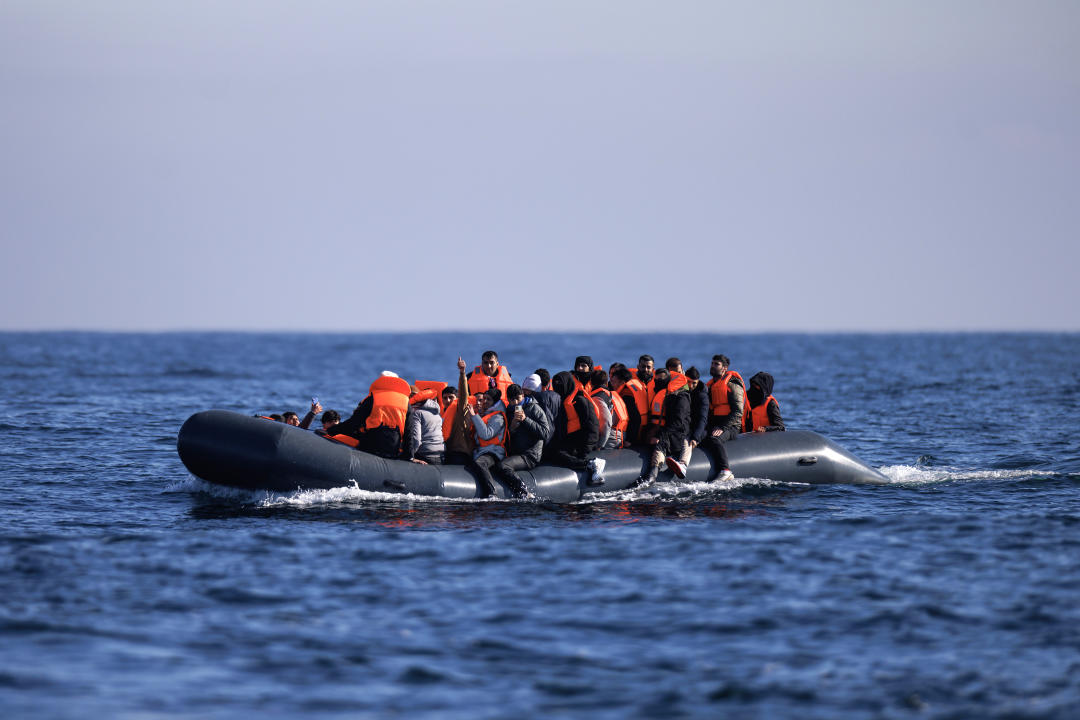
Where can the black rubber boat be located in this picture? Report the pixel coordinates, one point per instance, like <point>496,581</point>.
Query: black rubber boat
<point>227,448</point>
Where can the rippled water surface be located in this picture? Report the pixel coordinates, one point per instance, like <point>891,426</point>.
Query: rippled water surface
<point>131,589</point>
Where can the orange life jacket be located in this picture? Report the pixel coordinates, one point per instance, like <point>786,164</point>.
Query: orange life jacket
<point>448,414</point>
<point>656,399</point>
<point>390,404</point>
<point>758,416</point>
<point>656,409</point>
<point>718,394</point>
<point>596,396</point>
<point>479,382</point>
<point>428,394</point>
<point>436,385</point>
<point>573,422</point>
<point>677,381</point>
<point>641,398</point>
<point>499,439</point>
<point>346,439</point>
<point>620,417</point>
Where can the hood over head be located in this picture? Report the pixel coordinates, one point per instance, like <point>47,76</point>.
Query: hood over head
<point>763,380</point>
<point>563,383</point>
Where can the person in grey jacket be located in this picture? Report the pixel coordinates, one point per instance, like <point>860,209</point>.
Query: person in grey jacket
<point>423,433</point>
<point>529,426</point>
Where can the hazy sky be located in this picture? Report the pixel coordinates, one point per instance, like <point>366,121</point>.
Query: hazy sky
<point>540,165</point>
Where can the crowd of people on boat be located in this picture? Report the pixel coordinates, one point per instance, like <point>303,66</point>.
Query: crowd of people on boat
<point>497,427</point>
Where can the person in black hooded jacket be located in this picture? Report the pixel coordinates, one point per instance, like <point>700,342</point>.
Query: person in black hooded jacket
<point>699,407</point>
<point>668,439</point>
<point>571,449</point>
<point>756,418</point>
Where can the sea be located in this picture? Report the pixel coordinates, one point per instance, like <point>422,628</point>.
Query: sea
<point>130,589</point>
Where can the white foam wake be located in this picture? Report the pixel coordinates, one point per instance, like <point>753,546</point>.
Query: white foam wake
<point>309,498</point>
<point>678,490</point>
<point>915,475</point>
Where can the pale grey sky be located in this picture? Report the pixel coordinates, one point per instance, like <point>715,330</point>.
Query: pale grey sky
<point>543,165</point>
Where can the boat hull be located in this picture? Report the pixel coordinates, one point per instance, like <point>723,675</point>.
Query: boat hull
<point>235,450</point>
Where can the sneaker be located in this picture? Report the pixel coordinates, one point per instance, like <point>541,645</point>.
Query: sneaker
<point>676,467</point>
<point>596,467</point>
<point>725,476</point>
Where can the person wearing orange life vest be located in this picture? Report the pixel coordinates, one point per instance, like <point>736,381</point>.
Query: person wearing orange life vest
<point>613,406</point>
<point>635,398</point>
<point>674,368</point>
<point>727,397</point>
<point>448,403</point>
<point>378,423</point>
<point>699,418</point>
<point>577,430</point>
<point>762,411</point>
<point>644,369</point>
<point>459,443</point>
<point>489,374</point>
<point>583,371</point>
<point>669,425</point>
<point>423,442</point>
<point>487,424</point>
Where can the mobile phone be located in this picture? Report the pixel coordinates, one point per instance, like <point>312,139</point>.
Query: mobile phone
<point>314,400</point>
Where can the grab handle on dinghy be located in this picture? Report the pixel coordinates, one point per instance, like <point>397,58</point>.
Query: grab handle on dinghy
<point>396,484</point>
<point>808,460</point>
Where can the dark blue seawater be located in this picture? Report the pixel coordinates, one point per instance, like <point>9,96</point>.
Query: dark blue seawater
<point>130,589</point>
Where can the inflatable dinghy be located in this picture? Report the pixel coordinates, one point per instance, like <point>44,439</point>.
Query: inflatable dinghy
<point>227,448</point>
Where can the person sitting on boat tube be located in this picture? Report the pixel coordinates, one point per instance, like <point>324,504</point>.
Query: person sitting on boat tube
<point>577,430</point>
<point>699,415</point>
<point>762,411</point>
<point>669,426</point>
<point>378,423</point>
<point>423,441</point>
<point>727,397</point>
<point>489,374</point>
<point>487,423</point>
<point>529,425</point>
